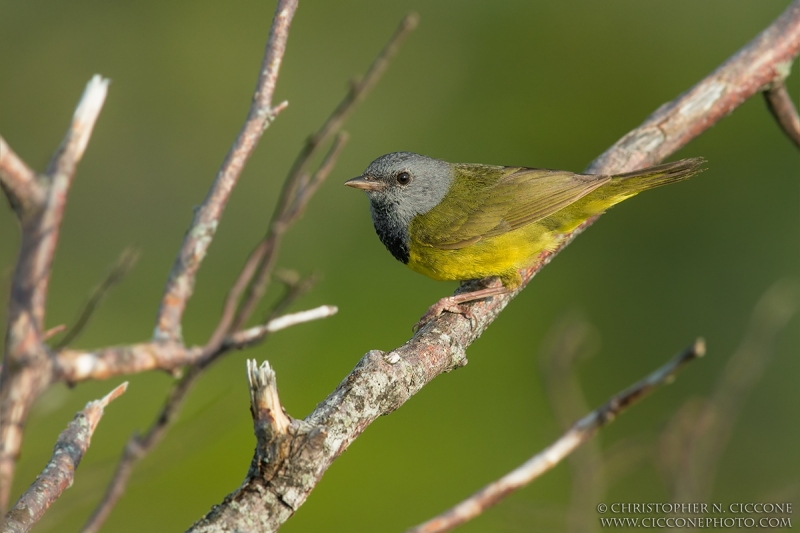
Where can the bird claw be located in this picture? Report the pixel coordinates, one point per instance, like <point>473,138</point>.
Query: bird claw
<point>446,304</point>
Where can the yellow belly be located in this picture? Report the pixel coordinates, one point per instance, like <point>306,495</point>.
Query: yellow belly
<point>501,256</point>
<point>505,254</point>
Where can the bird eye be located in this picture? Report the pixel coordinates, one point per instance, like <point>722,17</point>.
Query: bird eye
<point>403,178</point>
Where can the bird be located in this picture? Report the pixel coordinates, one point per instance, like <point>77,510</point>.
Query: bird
<point>459,222</point>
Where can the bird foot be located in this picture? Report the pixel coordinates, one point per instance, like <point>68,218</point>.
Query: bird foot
<point>453,305</point>
<point>449,304</point>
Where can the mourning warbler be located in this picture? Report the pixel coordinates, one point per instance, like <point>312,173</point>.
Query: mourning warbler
<point>453,221</point>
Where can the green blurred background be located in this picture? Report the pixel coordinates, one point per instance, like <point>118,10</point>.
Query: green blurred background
<point>545,83</point>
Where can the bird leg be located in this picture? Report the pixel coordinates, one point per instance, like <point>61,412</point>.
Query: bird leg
<point>453,303</point>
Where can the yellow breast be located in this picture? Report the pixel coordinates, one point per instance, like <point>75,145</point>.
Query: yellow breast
<point>502,255</point>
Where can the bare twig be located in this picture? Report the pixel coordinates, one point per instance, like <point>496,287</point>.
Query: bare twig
<point>249,336</point>
<point>28,367</point>
<point>73,366</point>
<point>122,267</point>
<point>382,382</point>
<point>581,431</point>
<point>198,238</point>
<point>782,108</point>
<point>697,446</point>
<point>59,473</point>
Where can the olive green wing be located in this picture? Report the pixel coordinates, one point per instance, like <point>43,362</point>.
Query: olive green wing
<point>486,201</point>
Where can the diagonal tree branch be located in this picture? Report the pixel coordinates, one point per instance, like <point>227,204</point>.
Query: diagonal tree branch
<point>59,473</point>
<point>27,367</point>
<point>180,284</point>
<point>583,430</point>
<point>382,382</point>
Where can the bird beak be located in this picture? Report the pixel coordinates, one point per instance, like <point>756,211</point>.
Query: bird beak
<point>365,183</point>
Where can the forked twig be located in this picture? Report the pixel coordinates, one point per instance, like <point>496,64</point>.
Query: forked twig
<point>27,368</point>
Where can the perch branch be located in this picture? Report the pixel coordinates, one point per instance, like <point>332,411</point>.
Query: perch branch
<point>59,473</point>
<point>382,382</point>
<point>583,430</point>
<point>201,232</point>
<point>782,108</point>
<point>27,368</point>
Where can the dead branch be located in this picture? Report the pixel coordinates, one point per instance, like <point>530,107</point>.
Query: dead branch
<point>58,475</point>
<point>27,368</point>
<point>382,382</point>
<point>180,284</point>
<point>583,430</point>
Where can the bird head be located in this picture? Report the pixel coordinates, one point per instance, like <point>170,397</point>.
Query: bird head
<point>406,183</point>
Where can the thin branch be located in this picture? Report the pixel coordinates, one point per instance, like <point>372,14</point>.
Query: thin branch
<point>122,267</point>
<point>782,108</point>
<point>19,182</point>
<point>28,366</point>
<point>583,430</point>
<point>249,336</point>
<point>59,473</point>
<point>73,366</point>
<point>382,382</point>
<point>180,284</point>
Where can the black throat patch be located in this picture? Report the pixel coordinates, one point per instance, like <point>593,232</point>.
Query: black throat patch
<point>391,230</point>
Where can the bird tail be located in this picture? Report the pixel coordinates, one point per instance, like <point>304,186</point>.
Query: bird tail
<point>637,181</point>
